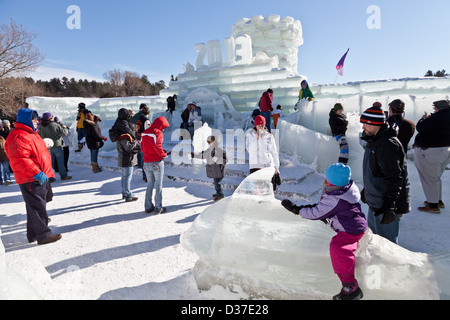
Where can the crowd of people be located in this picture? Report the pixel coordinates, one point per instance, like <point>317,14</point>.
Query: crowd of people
<point>139,141</point>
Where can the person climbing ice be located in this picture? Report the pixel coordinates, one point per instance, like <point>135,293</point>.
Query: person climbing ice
<point>339,207</point>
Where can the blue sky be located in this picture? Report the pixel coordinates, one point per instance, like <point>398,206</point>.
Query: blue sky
<point>156,37</point>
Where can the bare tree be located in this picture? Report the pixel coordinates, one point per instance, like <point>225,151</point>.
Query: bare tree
<point>116,78</point>
<point>17,53</point>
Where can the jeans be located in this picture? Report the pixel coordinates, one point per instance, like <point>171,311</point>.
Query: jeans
<point>6,176</point>
<point>155,174</point>
<point>57,154</point>
<point>267,116</point>
<point>80,135</point>
<point>389,231</point>
<point>127,174</point>
<point>218,187</point>
<point>94,155</point>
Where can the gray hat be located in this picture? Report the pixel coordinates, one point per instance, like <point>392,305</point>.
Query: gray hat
<point>441,104</point>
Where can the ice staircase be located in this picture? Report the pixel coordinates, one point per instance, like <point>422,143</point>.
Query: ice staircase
<point>299,181</point>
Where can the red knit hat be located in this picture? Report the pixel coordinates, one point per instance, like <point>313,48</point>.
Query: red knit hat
<point>260,120</point>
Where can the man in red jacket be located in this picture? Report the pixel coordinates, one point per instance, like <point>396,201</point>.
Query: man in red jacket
<point>32,166</point>
<point>154,154</point>
<point>266,107</point>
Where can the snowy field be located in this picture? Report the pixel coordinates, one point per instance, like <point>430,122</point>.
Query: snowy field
<point>114,250</point>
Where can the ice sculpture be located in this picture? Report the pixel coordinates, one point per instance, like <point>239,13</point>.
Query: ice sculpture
<point>251,241</point>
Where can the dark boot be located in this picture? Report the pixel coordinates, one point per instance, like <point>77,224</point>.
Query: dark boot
<point>349,291</point>
<point>80,146</point>
<point>95,167</point>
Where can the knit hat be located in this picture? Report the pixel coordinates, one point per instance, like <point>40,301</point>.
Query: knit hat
<point>260,120</point>
<point>5,122</point>
<point>47,116</point>
<point>441,104</point>
<point>397,106</point>
<point>338,174</point>
<point>374,116</point>
<point>338,106</point>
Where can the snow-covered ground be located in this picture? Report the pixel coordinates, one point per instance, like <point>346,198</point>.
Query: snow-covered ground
<point>114,250</point>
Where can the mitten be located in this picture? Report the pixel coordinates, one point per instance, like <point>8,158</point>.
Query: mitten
<point>290,206</point>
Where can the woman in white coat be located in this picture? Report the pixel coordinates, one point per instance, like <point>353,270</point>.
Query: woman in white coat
<point>261,147</point>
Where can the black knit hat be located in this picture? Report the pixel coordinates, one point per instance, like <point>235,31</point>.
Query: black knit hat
<point>374,116</point>
<point>441,104</point>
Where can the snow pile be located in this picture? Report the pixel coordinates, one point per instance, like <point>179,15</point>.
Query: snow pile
<point>250,241</point>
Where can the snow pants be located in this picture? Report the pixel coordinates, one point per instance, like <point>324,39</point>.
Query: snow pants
<point>342,248</point>
<point>35,197</point>
<point>343,149</point>
<point>430,164</point>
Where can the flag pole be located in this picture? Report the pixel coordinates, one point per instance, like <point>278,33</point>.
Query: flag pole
<point>335,79</point>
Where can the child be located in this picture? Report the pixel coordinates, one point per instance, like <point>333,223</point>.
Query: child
<point>4,164</point>
<point>305,92</point>
<point>278,113</point>
<point>339,205</point>
<point>216,159</point>
<point>338,123</point>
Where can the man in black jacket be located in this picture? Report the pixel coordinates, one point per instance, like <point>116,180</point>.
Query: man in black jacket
<point>432,153</point>
<point>338,124</point>
<point>385,175</point>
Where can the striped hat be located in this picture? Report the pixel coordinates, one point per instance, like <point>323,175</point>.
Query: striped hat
<point>374,116</point>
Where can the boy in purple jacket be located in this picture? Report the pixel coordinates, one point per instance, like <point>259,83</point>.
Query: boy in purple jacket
<point>339,207</point>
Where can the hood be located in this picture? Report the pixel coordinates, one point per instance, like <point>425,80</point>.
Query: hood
<point>46,122</point>
<point>124,114</point>
<point>25,117</point>
<point>306,83</point>
<point>160,123</point>
<point>349,193</point>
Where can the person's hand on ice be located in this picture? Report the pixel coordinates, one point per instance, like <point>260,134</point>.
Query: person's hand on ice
<point>41,178</point>
<point>290,206</point>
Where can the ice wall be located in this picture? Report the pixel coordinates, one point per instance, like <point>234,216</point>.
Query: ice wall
<point>251,241</point>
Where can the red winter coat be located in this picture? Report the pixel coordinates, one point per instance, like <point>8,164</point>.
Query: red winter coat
<point>28,154</point>
<point>265,103</point>
<point>152,139</point>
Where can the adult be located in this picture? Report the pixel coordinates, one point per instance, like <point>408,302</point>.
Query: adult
<point>195,118</point>
<point>338,124</point>
<point>81,135</point>
<point>154,155</point>
<point>432,153</point>
<point>385,175</point>
<point>50,129</point>
<point>66,142</point>
<point>405,128</point>
<point>5,128</point>
<point>32,166</point>
<point>171,103</point>
<point>5,176</point>
<point>94,139</point>
<point>142,123</point>
<point>127,148</point>
<point>262,149</point>
<point>265,106</point>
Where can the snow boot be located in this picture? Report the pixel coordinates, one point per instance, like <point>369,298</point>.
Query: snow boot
<point>431,208</point>
<point>348,292</point>
<point>440,204</point>
<point>95,167</point>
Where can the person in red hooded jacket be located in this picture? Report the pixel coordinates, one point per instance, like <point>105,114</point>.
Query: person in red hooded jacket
<point>266,107</point>
<point>32,167</point>
<point>154,154</point>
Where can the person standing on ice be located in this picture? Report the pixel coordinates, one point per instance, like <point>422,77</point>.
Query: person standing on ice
<point>32,166</point>
<point>216,159</point>
<point>266,108</point>
<point>94,139</point>
<point>432,153</point>
<point>339,207</point>
<point>385,175</point>
<point>276,115</point>
<point>262,149</point>
<point>154,155</point>
<point>338,124</point>
<point>405,128</point>
<point>82,111</point>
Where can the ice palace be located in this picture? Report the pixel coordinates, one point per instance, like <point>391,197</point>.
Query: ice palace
<point>249,240</point>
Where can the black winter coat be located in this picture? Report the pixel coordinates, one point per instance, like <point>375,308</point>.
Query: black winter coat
<point>385,172</point>
<point>338,123</point>
<point>405,131</point>
<point>94,138</point>
<point>434,132</point>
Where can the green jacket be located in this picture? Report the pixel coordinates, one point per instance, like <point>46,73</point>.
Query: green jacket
<point>54,131</point>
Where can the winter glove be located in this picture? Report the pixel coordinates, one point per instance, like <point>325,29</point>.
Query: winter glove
<point>388,213</point>
<point>41,178</point>
<point>363,196</point>
<point>290,206</point>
